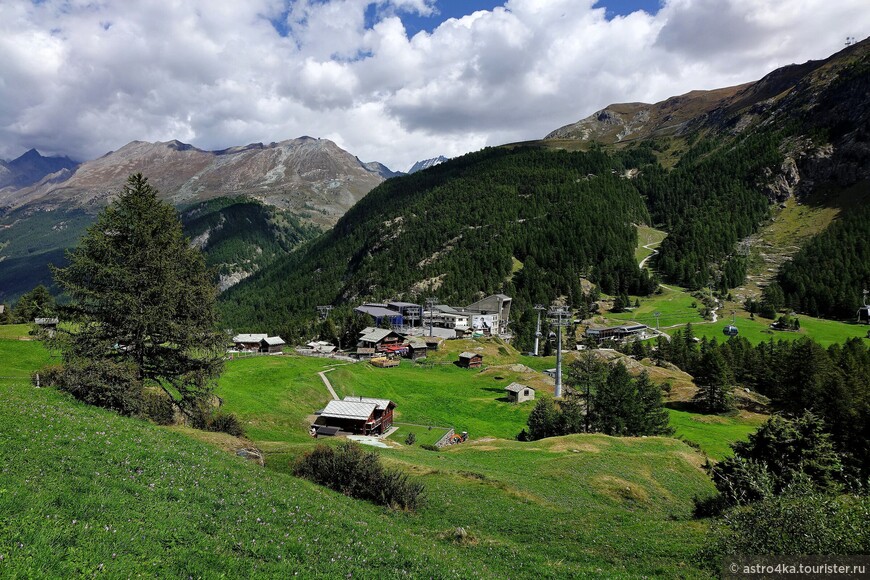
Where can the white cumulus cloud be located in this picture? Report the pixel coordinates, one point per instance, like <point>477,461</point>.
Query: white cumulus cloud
<point>81,77</point>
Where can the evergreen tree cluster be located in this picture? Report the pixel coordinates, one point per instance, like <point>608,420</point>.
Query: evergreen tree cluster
<point>797,376</point>
<point>827,276</point>
<point>602,399</point>
<point>38,303</point>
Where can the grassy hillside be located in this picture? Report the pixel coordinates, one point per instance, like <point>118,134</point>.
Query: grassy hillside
<point>85,492</point>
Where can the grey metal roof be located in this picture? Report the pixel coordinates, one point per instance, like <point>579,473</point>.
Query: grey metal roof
<point>45,321</point>
<point>376,311</point>
<point>249,337</point>
<point>349,410</point>
<point>516,388</point>
<point>402,304</point>
<point>382,404</point>
<point>441,333</point>
<point>273,340</point>
<point>376,335</point>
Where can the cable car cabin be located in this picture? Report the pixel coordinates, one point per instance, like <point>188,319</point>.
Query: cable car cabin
<point>730,330</point>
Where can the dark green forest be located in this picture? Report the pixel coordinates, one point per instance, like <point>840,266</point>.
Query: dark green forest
<point>826,277</point>
<point>242,233</point>
<point>707,203</point>
<point>796,376</point>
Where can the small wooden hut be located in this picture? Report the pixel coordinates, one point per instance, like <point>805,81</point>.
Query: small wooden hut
<point>470,360</point>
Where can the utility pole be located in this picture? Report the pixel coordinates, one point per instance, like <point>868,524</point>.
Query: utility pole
<point>324,311</point>
<point>560,316</point>
<point>538,307</point>
<point>657,314</point>
<point>430,303</point>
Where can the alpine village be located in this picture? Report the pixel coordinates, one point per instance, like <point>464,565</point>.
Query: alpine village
<point>637,347</point>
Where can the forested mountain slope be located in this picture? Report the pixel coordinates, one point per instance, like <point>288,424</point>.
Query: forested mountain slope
<point>527,222</point>
<point>803,130</point>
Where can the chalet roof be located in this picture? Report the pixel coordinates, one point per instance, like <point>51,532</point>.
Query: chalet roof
<point>45,321</point>
<point>441,333</point>
<point>376,335</point>
<point>417,343</point>
<point>516,388</point>
<point>317,343</point>
<point>273,340</point>
<point>349,410</point>
<point>381,404</point>
<point>249,337</point>
<point>470,355</point>
<point>376,311</point>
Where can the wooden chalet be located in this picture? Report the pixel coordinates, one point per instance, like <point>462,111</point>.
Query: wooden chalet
<point>364,352</point>
<point>417,349</point>
<point>47,325</point>
<point>357,415</point>
<point>378,338</point>
<point>272,344</point>
<point>518,393</point>
<point>248,342</point>
<point>470,360</point>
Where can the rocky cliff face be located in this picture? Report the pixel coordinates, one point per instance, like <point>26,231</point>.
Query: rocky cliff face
<point>826,101</point>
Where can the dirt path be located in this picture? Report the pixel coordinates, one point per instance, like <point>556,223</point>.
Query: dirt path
<point>654,252</point>
<point>327,383</point>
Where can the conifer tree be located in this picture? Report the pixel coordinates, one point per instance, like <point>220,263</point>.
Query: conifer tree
<point>142,301</point>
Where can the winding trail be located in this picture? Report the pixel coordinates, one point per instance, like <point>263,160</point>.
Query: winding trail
<point>654,252</point>
<point>642,264</point>
<point>327,383</point>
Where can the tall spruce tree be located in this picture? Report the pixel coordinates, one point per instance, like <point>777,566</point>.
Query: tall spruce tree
<point>715,382</point>
<point>142,303</point>
<point>629,407</point>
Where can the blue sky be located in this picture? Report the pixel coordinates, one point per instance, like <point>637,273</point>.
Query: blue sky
<point>458,8</point>
<point>388,80</point>
<point>414,22</point>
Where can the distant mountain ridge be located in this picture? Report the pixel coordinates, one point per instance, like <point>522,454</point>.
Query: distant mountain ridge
<point>304,185</point>
<point>31,168</point>
<point>426,164</point>
<point>314,178</point>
